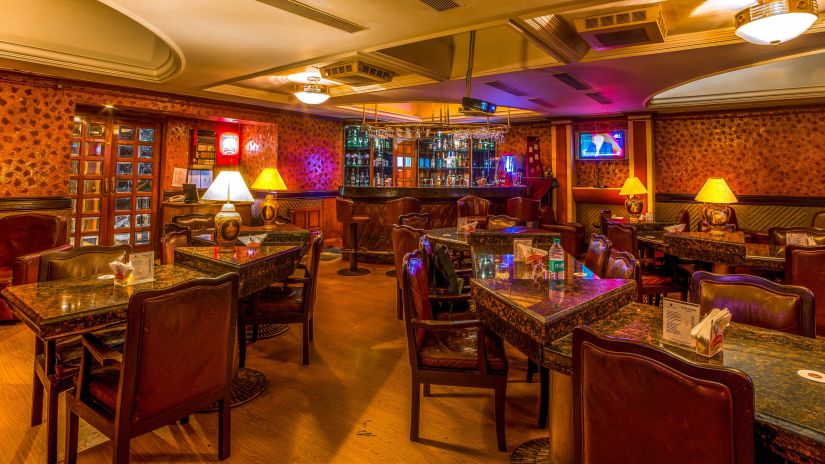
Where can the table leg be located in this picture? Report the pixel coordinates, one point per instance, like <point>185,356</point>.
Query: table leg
<point>558,447</point>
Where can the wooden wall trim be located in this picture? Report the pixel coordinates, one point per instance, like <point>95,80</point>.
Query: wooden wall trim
<point>34,203</point>
<point>748,199</point>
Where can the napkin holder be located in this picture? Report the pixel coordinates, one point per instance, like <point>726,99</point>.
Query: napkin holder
<point>123,273</point>
<point>708,335</point>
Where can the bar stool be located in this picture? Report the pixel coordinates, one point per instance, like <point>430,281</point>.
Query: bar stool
<point>393,209</point>
<point>345,210</point>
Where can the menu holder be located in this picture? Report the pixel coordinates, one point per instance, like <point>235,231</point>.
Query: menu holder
<point>678,319</point>
<point>143,265</point>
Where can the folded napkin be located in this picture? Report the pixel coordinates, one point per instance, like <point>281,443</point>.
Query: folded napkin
<point>708,333</point>
<point>247,239</point>
<point>529,254</point>
<point>122,271</point>
<point>675,228</point>
<point>469,227</point>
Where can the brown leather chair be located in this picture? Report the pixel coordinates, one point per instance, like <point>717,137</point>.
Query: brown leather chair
<point>171,240</point>
<point>654,284</point>
<point>732,220</point>
<point>473,208</point>
<point>57,362</point>
<point>25,237</point>
<point>604,216</point>
<point>804,268</point>
<point>501,221</point>
<point>153,382</point>
<point>818,220</point>
<point>623,265</point>
<point>395,208</point>
<point>405,239</point>
<point>345,211</point>
<point>198,224</point>
<point>572,233</point>
<point>524,209</point>
<point>631,401</point>
<point>419,221</point>
<point>779,235</point>
<point>295,309</point>
<point>683,217</point>
<point>459,352</point>
<point>597,253</point>
<point>757,301</point>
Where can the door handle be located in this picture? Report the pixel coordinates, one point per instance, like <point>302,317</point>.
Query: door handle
<point>112,186</point>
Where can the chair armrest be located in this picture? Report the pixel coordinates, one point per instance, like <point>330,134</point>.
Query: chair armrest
<point>446,325</point>
<point>27,267</point>
<point>102,353</point>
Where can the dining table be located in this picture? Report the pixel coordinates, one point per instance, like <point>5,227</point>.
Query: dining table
<point>789,410</point>
<point>463,241</point>
<point>724,252</point>
<point>640,225</point>
<point>282,234</point>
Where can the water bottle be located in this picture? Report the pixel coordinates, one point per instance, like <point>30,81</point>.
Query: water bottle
<point>556,265</point>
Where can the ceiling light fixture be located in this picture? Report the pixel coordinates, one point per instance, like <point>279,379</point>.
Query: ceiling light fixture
<point>771,22</point>
<point>312,93</point>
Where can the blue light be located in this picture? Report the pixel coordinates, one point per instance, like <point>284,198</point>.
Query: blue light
<point>509,163</point>
<point>617,135</point>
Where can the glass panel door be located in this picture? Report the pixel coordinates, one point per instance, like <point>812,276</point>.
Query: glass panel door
<point>87,181</point>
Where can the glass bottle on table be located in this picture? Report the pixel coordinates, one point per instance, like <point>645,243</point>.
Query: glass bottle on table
<point>556,265</point>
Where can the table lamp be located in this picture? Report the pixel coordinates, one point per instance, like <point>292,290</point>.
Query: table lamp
<point>271,181</point>
<point>229,186</point>
<point>634,205</point>
<point>716,195</point>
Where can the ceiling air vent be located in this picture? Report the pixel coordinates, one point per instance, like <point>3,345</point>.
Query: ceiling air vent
<point>541,102</point>
<point>571,81</point>
<point>356,73</point>
<point>623,29</point>
<point>599,97</point>
<point>314,14</point>
<point>505,88</point>
<point>441,5</point>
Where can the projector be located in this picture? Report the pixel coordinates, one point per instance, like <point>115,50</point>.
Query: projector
<point>476,107</point>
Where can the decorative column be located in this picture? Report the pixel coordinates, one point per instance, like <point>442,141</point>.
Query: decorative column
<point>562,159</point>
<point>640,154</point>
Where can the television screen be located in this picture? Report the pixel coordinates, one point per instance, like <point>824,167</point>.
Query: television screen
<point>601,145</point>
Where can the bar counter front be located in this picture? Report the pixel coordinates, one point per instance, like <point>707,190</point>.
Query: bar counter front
<point>439,202</point>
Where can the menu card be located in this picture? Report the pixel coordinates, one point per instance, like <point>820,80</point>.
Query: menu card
<point>678,319</point>
<point>143,265</point>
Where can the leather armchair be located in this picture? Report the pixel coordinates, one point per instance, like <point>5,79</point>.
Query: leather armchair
<point>404,240</point>
<point>623,265</point>
<point>524,209</point>
<point>419,221</point>
<point>630,400</point>
<point>803,267</point>
<point>395,208</point>
<point>171,240</point>
<point>818,220</point>
<point>572,233</point>
<point>653,285</point>
<point>597,254</point>
<point>757,301</point>
<point>779,235</point>
<point>25,237</point>
<point>501,222</point>
<point>473,208</point>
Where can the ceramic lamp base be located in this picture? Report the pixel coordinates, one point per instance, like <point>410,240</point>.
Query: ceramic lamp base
<point>269,212</point>
<point>717,216</point>
<point>227,226</point>
<point>634,206</point>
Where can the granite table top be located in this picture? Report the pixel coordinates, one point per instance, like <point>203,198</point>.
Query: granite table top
<point>790,410</point>
<point>642,226</point>
<point>464,241</point>
<point>281,235</point>
<point>729,248</point>
<point>58,308</point>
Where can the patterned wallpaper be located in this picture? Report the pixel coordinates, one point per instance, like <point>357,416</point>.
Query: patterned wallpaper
<point>310,152</point>
<point>779,152</point>
<point>259,150</point>
<point>611,173</point>
<point>516,141</point>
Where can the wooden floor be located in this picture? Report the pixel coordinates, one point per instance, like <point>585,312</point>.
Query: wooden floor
<point>350,405</point>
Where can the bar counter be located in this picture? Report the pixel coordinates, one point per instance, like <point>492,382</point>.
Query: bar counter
<point>439,202</point>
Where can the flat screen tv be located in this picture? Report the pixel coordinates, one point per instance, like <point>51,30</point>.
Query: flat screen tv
<point>600,145</point>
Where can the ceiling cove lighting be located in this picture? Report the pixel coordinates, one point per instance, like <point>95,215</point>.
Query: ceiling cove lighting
<point>312,94</point>
<point>771,22</point>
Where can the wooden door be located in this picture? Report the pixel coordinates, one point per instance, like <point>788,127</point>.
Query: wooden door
<point>404,164</point>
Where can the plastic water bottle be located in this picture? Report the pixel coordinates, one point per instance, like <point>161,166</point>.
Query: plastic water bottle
<point>556,265</point>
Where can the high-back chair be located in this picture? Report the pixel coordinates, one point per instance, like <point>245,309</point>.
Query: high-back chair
<point>597,253</point>
<point>683,217</point>
<point>458,353</point>
<point>623,238</point>
<point>757,301</point>
<point>155,382</point>
<point>198,224</point>
<point>345,211</point>
<point>630,400</point>
<point>297,308</point>
<point>804,268</point>
<point>400,206</point>
<point>419,221</point>
<point>779,235</point>
<point>473,208</point>
<point>171,240</point>
<point>818,220</point>
<point>524,209</point>
<point>501,221</point>
<point>604,215</point>
<point>623,265</point>
<point>405,239</point>
<point>654,286</point>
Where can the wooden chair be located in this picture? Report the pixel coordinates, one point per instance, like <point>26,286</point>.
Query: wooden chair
<point>473,208</point>
<point>405,239</point>
<point>597,253</point>
<point>572,233</point>
<point>57,362</point>
<point>779,235</point>
<point>623,265</point>
<point>198,224</point>
<point>604,215</point>
<point>757,301</point>
<point>631,400</point>
<point>171,240</point>
<point>294,309</point>
<point>415,220</point>
<point>524,209</point>
<point>154,382</point>
<point>804,268</point>
<point>459,352</point>
<point>500,222</point>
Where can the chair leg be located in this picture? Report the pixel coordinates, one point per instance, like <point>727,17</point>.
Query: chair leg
<point>71,432</point>
<point>531,368</point>
<point>501,396</point>
<point>120,450</point>
<point>51,424</point>
<point>37,399</point>
<point>306,342</point>
<point>398,304</point>
<point>544,396</point>
<point>427,392</point>
<point>224,428</point>
<point>311,323</point>
<point>255,333</point>
<point>415,410</point>
<point>241,344</point>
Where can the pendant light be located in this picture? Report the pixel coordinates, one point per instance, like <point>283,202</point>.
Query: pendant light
<point>771,22</point>
<point>312,94</point>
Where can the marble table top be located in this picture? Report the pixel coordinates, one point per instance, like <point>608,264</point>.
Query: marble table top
<point>787,405</point>
<point>282,234</point>
<point>62,307</point>
<point>463,241</point>
<point>729,248</point>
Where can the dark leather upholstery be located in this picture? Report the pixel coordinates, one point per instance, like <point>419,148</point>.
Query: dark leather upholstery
<point>524,209</point>
<point>81,262</point>
<point>622,265</point>
<point>779,235</point>
<point>501,222</point>
<point>345,211</point>
<point>635,403</point>
<point>458,350</point>
<point>473,208</point>
<point>25,237</point>
<point>166,371</point>
<point>805,267</point>
<point>757,301</point>
<point>683,217</point>
<point>818,220</point>
<point>197,223</point>
<point>395,208</point>
<point>572,233</point>
<point>604,215</point>
<point>169,242</point>
<point>404,240</point>
<point>419,221</point>
<point>597,254</point>
<point>623,238</point>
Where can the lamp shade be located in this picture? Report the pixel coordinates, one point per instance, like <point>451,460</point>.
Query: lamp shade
<point>228,186</point>
<point>716,190</point>
<point>633,186</point>
<point>269,179</point>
